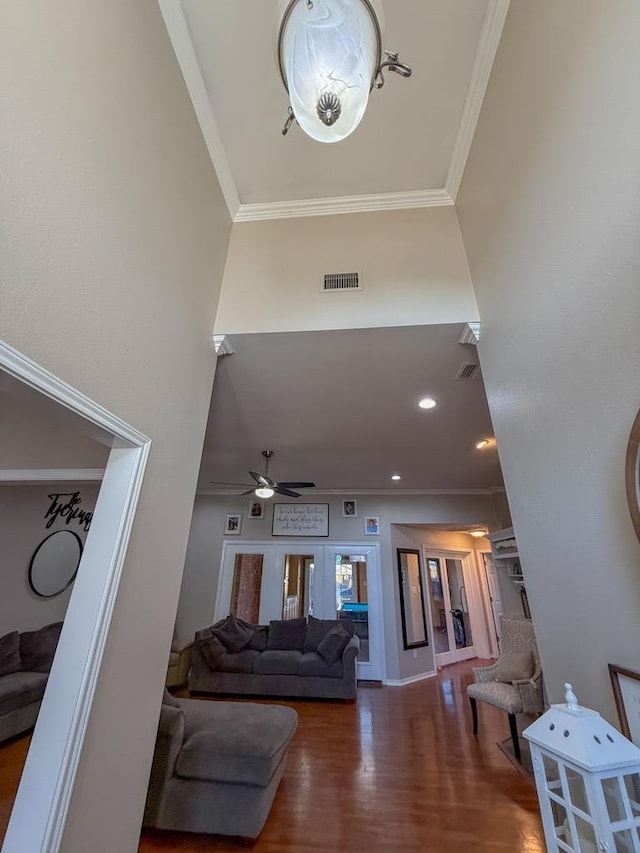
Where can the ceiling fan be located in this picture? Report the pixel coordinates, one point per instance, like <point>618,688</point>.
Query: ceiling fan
<point>265,487</point>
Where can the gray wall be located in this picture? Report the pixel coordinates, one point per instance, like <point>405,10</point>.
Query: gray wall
<point>549,210</point>
<point>114,240</point>
<point>202,567</point>
<point>22,528</point>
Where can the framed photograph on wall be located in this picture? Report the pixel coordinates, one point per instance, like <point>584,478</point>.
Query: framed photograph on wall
<point>256,509</point>
<point>626,691</point>
<point>233,524</point>
<point>349,509</point>
<point>372,525</point>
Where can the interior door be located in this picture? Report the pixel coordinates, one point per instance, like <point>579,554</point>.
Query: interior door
<point>264,581</point>
<point>449,600</point>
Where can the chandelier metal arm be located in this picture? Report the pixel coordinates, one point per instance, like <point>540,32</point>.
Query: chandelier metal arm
<point>290,120</point>
<point>393,64</point>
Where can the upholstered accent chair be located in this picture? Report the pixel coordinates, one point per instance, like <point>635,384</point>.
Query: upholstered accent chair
<point>514,682</point>
<point>179,663</point>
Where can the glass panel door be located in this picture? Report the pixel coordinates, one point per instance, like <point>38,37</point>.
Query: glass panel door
<point>352,600</point>
<point>297,600</point>
<point>452,633</point>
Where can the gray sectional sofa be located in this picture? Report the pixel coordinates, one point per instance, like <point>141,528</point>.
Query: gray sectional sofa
<point>294,657</point>
<point>25,662</point>
<point>217,765</point>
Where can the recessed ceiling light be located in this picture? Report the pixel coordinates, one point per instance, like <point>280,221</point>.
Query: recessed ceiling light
<point>396,477</point>
<point>477,533</point>
<point>484,442</point>
<point>428,403</point>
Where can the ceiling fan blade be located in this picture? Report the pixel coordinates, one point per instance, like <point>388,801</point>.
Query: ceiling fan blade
<point>287,484</point>
<point>261,480</point>
<point>250,491</point>
<point>220,483</point>
<point>282,491</point>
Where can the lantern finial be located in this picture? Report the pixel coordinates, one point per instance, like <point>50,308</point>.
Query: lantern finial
<point>570,698</point>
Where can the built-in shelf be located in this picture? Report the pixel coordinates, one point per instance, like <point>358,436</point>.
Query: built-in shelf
<point>505,555</point>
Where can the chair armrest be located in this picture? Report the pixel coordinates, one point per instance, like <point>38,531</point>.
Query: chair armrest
<point>181,645</point>
<point>530,690</point>
<point>482,674</point>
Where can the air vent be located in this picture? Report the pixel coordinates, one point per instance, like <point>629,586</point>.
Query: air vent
<point>468,370</point>
<point>341,281</point>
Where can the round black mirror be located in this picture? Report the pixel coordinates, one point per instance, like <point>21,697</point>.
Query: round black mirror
<point>55,562</point>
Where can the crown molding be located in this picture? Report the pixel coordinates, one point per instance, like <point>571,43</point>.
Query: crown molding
<point>222,345</point>
<point>490,35</point>
<point>180,38</point>
<point>343,204</point>
<point>26,476</point>
<point>366,492</point>
<point>470,334</point>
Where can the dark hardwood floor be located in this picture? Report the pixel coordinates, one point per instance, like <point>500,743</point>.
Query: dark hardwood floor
<point>399,770</point>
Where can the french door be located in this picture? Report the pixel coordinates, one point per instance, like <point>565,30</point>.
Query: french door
<point>450,595</point>
<point>260,581</point>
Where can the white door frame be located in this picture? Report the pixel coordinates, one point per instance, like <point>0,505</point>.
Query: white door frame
<point>42,803</point>
<point>474,582</point>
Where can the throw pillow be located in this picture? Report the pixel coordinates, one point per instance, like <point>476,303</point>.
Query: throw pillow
<point>317,630</point>
<point>259,639</point>
<point>515,666</point>
<point>335,642</point>
<point>212,651</point>
<point>233,634</point>
<point>168,699</point>
<point>10,653</point>
<point>287,634</point>
<point>37,648</point>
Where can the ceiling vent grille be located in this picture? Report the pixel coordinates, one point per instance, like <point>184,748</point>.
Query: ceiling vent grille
<point>468,370</point>
<point>341,281</point>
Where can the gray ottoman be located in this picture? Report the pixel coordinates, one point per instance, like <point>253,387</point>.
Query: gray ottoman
<point>217,765</point>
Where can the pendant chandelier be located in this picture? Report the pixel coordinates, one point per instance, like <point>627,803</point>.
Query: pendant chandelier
<point>330,57</point>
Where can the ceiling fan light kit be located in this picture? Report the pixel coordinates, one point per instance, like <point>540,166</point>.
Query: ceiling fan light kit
<point>330,57</point>
<point>265,487</point>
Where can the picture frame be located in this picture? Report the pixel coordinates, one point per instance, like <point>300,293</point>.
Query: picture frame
<point>372,525</point>
<point>256,509</point>
<point>349,509</point>
<point>233,524</point>
<point>626,692</point>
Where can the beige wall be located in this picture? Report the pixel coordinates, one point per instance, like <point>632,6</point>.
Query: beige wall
<point>549,210</point>
<point>114,239</point>
<point>202,568</point>
<point>412,263</point>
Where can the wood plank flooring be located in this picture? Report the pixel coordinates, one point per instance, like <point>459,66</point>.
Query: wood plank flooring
<point>399,770</point>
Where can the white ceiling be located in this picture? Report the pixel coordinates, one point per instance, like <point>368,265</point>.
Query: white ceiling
<point>339,408</point>
<point>412,144</point>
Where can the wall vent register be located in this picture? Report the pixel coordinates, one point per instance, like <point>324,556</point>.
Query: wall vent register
<point>468,370</point>
<point>341,281</point>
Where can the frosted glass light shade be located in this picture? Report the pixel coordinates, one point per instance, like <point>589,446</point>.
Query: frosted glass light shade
<point>329,55</point>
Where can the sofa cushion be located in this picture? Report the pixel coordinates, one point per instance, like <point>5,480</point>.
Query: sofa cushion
<point>317,630</point>
<point>514,666</point>
<point>239,661</point>
<point>9,653</point>
<point>169,699</point>
<point>240,742</point>
<point>37,648</point>
<point>334,643</point>
<point>278,662</point>
<point>312,664</point>
<point>233,633</point>
<point>21,688</point>
<point>287,634</point>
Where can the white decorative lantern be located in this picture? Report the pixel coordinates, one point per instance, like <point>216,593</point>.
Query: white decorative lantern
<point>330,57</point>
<point>588,781</point>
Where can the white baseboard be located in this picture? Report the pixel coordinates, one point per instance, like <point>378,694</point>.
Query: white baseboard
<point>400,682</point>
